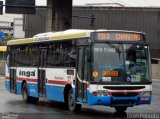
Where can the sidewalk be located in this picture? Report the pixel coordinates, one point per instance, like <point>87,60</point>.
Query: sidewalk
<point>156,80</point>
<point>2,77</point>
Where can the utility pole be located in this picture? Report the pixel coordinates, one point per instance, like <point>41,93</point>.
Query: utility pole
<point>92,20</point>
<point>1,7</point>
<point>60,14</point>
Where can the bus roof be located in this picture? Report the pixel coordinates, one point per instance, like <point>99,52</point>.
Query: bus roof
<point>51,36</point>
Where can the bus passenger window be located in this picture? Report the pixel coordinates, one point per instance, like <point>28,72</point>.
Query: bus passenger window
<point>70,58</point>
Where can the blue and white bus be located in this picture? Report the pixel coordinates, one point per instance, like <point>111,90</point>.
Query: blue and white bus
<point>92,67</point>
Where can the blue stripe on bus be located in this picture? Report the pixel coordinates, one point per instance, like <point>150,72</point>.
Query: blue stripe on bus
<point>144,102</point>
<point>98,100</point>
<point>55,93</point>
<point>32,89</point>
<point>18,88</point>
<point>52,92</point>
<point>125,98</point>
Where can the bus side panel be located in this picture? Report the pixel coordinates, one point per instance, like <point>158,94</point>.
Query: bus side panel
<point>54,92</point>
<point>18,88</point>
<point>7,77</point>
<point>57,78</point>
<point>30,76</point>
<point>32,89</point>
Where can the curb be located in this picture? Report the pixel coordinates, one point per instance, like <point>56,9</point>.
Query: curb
<point>156,80</point>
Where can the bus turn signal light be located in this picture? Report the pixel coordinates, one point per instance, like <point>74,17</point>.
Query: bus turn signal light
<point>95,74</point>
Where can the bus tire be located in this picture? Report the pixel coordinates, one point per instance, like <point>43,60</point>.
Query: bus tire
<point>120,109</point>
<point>34,100</point>
<point>25,96</point>
<point>72,106</point>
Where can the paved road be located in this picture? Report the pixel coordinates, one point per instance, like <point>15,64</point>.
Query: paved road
<point>10,103</point>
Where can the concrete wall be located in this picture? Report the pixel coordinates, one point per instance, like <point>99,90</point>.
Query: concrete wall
<point>4,23</point>
<point>118,18</point>
<point>34,24</point>
<point>155,71</point>
<point>18,28</point>
<point>2,68</point>
<point>10,17</point>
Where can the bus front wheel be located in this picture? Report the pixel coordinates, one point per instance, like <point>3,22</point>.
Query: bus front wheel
<point>71,102</point>
<point>120,109</point>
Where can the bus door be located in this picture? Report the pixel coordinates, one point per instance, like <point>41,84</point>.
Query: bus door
<point>13,59</point>
<point>42,72</point>
<point>81,80</point>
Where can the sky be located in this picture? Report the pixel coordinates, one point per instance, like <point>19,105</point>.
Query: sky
<point>127,3</point>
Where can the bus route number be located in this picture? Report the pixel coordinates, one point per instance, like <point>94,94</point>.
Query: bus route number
<point>119,36</point>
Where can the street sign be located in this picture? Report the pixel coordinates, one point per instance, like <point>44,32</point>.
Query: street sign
<point>20,6</point>
<point>1,35</point>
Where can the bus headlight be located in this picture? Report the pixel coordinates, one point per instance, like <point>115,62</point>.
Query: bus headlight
<point>100,93</point>
<point>145,93</point>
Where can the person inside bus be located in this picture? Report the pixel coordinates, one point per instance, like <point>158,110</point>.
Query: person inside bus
<point>131,60</point>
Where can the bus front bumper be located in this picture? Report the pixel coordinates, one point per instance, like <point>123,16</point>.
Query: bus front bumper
<point>112,101</point>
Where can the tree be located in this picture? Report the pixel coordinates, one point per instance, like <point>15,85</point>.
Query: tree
<point>5,39</point>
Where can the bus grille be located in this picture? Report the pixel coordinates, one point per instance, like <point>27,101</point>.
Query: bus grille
<point>118,102</point>
<point>124,94</point>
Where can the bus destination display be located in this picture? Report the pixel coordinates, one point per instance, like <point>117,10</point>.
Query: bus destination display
<point>117,36</point>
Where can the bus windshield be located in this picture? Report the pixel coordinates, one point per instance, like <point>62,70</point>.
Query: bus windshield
<point>120,63</point>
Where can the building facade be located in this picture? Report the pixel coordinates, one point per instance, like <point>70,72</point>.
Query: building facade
<point>118,18</point>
